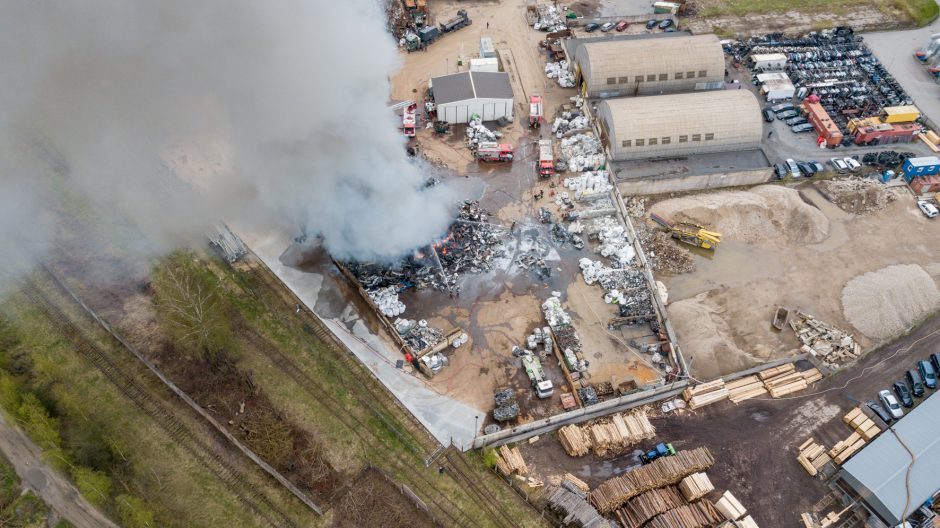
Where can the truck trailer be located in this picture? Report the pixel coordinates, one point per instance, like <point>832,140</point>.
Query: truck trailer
<point>459,21</point>
<point>546,158</point>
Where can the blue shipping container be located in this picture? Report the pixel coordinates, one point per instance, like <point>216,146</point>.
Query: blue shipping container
<point>924,166</point>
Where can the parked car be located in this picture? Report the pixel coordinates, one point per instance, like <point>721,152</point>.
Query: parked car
<point>607,27</point>
<point>904,394</point>
<point>787,114</point>
<point>853,164</point>
<point>665,24</point>
<point>780,170</point>
<point>915,382</point>
<point>670,30</point>
<point>768,115</point>
<point>880,411</point>
<point>838,164</point>
<point>799,129</point>
<point>622,25</point>
<point>890,403</point>
<point>935,361</point>
<point>591,27</point>
<point>782,107</point>
<point>793,121</point>
<point>805,168</point>
<point>817,167</point>
<point>927,373</point>
<point>929,209</point>
<point>651,24</point>
<point>794,168</point>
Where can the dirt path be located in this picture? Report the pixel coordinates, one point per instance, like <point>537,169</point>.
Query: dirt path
<point>56,491</point>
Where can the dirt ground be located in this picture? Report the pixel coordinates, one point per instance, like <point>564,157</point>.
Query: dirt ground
<point>755,442</point>
<point>797,251</point>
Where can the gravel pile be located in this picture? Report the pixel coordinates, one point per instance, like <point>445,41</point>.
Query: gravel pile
<point>887,302</point>
<point>665,254</point>
<point>856,195</point>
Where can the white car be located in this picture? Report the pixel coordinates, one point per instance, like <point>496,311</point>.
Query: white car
<point>852,164</point>
<point>929,209</point>
<point>607,27</point>
<point>794,168</point>
<point>839,164</point>
<point>891,404</point>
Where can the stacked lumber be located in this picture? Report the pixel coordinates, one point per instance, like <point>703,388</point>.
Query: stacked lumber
<point>620,432</point>
<point>846,448</point>
<point>574,509</point>
<point>705,393</point>
<point>812,456</point>
<point>863,425</point>
<point>640,509</point>
<point>790,381</point>
<point>509,460</point>
<point>614,493</point>
<point>573,439</point>
<point>576,482</point>
<point>748,522</point>
<point>695,486</point>
<point>730,507</point>
<point>745,389</point>
<point>776,371</point>
<point>696,515</point>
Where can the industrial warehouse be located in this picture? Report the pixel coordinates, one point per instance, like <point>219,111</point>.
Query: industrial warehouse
<point>459,96</point>
<point>680,124</point>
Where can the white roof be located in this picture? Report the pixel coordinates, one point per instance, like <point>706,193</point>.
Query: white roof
<point>758,57</point>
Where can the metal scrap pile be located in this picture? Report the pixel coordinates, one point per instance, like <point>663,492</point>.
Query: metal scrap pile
<point>588,395</point>
<point>550,19</point>
<point>589,185</point>
<point>386,299</point>
<point>534,261</point>
<point>663,254</point>
<point>478,133</point>
<point>886,158</point>
<point>560,323</point>
<point>418,334</point>
<point>560,72</point>
<point>828,343</point>
<point>637,306</point>
<point>581,153</point>
<point>610,279</point>
<point>506,406</point>
<point>569,122</point>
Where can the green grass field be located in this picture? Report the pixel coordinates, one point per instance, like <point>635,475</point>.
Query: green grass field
<point>917,12</point>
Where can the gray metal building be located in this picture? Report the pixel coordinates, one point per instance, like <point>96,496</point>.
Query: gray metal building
<point>680,124</point>
<point>649,66</point>
<point>460,95</point>
<point>878,473</point>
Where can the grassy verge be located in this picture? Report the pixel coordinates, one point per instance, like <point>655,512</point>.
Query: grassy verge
<point>19,507</point>
<point>917,12</point>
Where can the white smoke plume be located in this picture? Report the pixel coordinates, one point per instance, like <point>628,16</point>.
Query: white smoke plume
<point>175,114</point>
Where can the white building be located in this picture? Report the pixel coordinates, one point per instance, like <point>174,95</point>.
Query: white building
<point>776,86</point>
<point>769,61</point>
<point>461,95</point>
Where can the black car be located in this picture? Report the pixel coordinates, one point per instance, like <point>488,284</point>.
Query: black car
<point>665,23</point>
<point>787,114</point>
<point>805,168</point>
<point>793,121</point>
<point>880,411</point>
<point>768,115</point>
<point>651,24</point>
<point>780,170</point>
<point>935,361</point>
<point>914,381</point>
<point>592,27</point>
<point>903,393</point>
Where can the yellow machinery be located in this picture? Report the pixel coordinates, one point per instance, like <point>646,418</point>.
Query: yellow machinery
<point>689,233</point>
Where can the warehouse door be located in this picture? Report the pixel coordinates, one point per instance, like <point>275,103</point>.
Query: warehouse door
<point>489,111</point>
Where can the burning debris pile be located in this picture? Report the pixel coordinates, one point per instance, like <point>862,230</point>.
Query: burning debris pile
<point>471,245</point>
<point>560,72</point>
<point>418,334</point>
<point>566,336</point>
<point>569,122</point>
<point>663,254</point>
<point>386,299</point>
<point>532,260</point>
<point>589,185</point>
<point>581,153</point>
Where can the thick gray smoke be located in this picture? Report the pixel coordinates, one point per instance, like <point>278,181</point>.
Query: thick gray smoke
<point>177,114</point>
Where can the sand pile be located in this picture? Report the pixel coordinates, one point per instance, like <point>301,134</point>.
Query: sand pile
<point>706,336</point>
<point>762,214</point>
<point>856,195</point>
<point>887,302</point>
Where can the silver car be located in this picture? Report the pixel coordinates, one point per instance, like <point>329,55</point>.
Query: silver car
<point>891,404</point>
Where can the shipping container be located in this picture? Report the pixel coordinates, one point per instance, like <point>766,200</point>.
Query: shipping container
<point>924,166</point>
<point>487,50</point>
<point>824,125</point>
<point>485,65</point>
<point>925,184</point>
<point>769,61</point>
<point>900,114</point>
<point>886,133</point>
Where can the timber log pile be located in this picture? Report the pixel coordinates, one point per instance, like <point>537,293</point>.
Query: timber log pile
<point>699,514</point>
<point>640,509</point>
<point>574,508</point>
<point>573,439</point>
<point>615,492</point>
<point>607,436</point>
<point>509,460</point>
<point>695,486</point>
<point>705,393</point>
<point>776,381</point>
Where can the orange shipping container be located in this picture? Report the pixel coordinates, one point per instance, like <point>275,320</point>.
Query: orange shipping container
<point>824,124</point>
<point>925,184</point>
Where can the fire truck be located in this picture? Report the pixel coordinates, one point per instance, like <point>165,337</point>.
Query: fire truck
<point>408,119</point>
<point>535,111</point>
<point>546,158</point>
<point>492,151</point>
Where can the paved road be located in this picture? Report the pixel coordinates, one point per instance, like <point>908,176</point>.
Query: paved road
<point>895,49</point>
<point>54,488</point>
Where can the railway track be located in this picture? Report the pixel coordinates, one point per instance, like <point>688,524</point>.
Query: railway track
<point>124,380</point>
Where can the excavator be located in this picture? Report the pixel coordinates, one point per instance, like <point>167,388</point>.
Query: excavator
<point>689,233</point>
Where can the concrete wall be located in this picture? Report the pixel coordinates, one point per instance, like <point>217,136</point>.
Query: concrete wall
<point>659,185</point>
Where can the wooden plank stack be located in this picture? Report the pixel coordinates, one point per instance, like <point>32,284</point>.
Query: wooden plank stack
<point>608,435</point>
<point>695,486</point>
<point>745,389</point>
<point>863,425</point>
<point>509,460</point>
<point>614,493</point>
<point>846,448</point>
<point>696,515</point>
<point>812,456</point>
<point>573,439</point>
<point>640,509</point>
<point>576,482</point>
<point>730,507</point>
<point>747,522</point>
<point>791,381</point>
<point>705,393</point>
<point>574,509</point>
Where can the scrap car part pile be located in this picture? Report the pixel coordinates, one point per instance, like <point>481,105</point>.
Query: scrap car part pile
<point>478,133</point>
<point>887,158</point>
<point>561,73</point>
<point>565,334</point>
<point>569,122</point>
<point>828,343</point>
<point>582,152</point>
<point>386,299</point>
<point>550,19</point>
<point>418,334</point>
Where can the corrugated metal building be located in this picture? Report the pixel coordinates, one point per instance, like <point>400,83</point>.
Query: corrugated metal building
<point>461,95</point>
<point>680,124</point>
<point>879,472</point>
<point>648,66</point>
